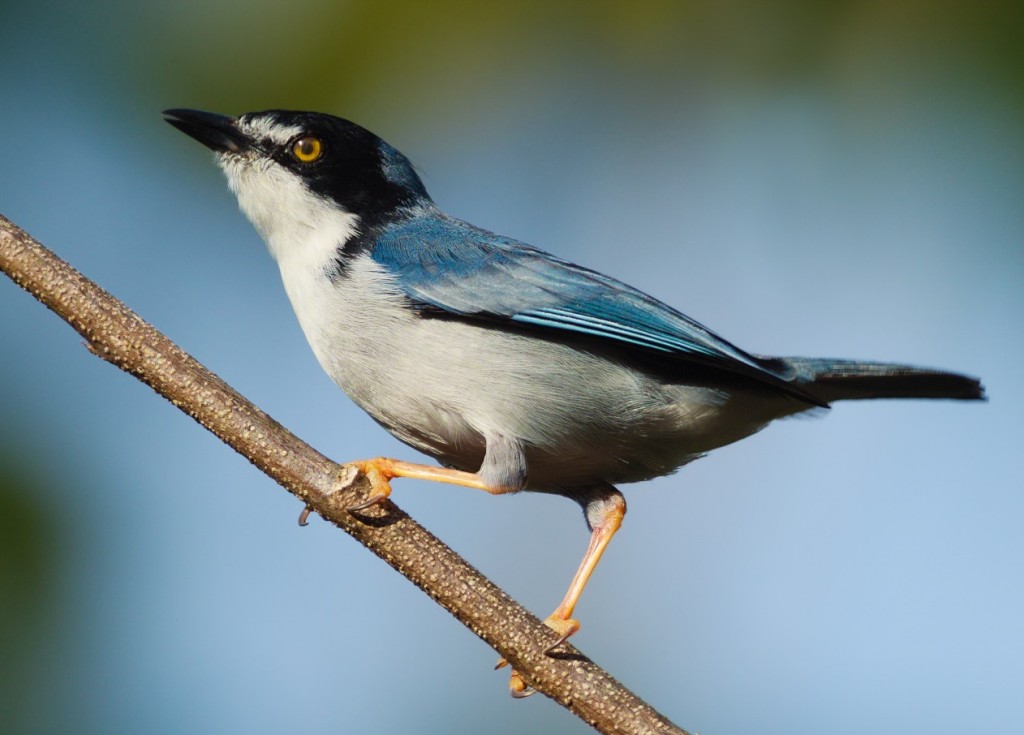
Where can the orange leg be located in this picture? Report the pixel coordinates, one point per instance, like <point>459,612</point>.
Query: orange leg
<point>381,471</point>
<point>561,619</point>
<point>605,516</point>
<point>604,508</point>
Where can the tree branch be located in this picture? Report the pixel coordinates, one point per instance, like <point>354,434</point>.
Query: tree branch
<point>119,336</point>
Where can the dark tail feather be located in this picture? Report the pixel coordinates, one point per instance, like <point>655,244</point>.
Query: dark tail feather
<point>838,380</point>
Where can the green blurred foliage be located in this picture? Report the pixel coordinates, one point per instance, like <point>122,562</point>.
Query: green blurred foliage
<point>26,552</point>
<point>234,55</point>
<point>29,580</point>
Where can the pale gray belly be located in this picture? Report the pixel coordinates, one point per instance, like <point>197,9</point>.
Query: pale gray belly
<point>445,387</point>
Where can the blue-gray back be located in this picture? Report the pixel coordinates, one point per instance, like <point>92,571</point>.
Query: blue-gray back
<point>446,264</point>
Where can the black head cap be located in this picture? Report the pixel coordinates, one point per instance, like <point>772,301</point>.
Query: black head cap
<point>352,166</point>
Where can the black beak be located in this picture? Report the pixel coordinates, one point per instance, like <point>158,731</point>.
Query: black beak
<point>217,132</point>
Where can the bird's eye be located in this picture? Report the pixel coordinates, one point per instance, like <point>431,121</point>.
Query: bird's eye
<point>307,149</point>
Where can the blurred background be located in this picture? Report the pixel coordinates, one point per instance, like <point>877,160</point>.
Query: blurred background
<point>816,178</point>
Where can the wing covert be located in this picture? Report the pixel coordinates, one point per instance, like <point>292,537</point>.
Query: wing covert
<point>450,265</point>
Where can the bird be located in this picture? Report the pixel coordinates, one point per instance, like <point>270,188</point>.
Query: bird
<point>511,367</point>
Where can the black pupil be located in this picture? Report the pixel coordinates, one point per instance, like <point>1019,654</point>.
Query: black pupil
<point>307,146</point>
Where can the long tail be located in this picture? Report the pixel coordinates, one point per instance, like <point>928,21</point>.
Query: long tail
<point>840,380</point>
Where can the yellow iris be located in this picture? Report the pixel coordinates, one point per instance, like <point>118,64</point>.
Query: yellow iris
<point>307,149</point>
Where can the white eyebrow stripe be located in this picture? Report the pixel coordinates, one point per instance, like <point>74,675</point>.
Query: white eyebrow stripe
<point>264,127</point>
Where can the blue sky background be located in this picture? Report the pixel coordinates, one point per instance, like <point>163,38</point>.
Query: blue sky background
<point>841,179</point>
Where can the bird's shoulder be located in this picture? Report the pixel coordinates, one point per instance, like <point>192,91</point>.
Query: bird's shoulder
<point>452,264</point>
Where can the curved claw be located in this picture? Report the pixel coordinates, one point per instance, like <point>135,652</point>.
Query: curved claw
<point>304,516</point>
<point>518,688</point>
<point>565,627</point>
<point>377,471</point>
<point>376,497</point>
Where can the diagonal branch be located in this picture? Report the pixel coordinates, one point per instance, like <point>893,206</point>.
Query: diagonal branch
<point>119,336</point>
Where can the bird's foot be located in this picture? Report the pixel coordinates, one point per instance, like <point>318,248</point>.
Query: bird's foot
<point>379,472</point>
<point>565,627</point>
<point>517,685</point>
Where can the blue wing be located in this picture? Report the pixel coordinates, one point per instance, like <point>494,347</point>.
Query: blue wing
<point>452,266</point>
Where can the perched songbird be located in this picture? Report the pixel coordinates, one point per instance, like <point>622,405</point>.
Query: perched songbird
<point>513,368</point>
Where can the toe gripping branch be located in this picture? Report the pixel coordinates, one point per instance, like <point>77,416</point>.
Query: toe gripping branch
<point>603,506</point>
<point>604,509</point>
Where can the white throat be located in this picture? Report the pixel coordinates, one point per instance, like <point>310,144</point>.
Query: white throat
<point>302,230</point>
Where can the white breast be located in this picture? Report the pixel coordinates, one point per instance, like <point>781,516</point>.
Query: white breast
<point>447,387</point>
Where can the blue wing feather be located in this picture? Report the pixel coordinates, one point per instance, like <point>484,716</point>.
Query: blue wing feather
<point>448,264</point>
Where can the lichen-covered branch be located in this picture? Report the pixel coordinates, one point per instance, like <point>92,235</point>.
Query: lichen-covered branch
<point>116,334</point>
